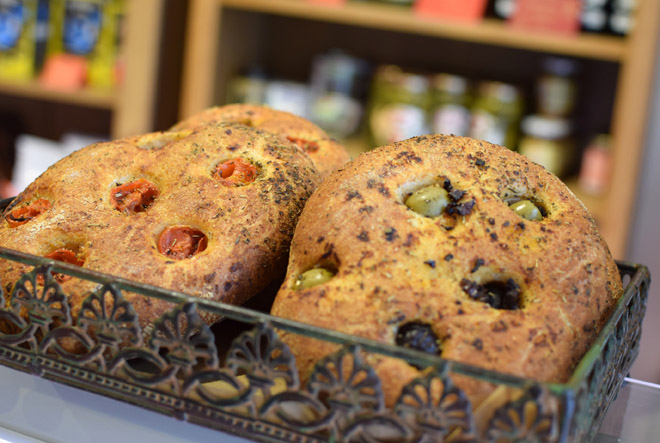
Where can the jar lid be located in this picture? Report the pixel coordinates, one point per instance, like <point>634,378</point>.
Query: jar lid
<point>541,126</point>
<point>559,66</point>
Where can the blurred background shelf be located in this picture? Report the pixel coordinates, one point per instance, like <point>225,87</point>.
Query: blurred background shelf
<point>93,98</point>
<point>128,108</point>
<point>396,18</point>
<point>146,98</point>
<point>226,36</point>
<point>180,57</point>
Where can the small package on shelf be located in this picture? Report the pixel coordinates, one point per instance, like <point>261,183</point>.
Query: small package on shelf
<point>554,16</point>
<point>596,165</point>
<point>459,10</point>
<point>18,39</point>
<point>83,46</point>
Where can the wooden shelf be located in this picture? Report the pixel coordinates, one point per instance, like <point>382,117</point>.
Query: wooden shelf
<point>94,98</point>
<point>396,18</point>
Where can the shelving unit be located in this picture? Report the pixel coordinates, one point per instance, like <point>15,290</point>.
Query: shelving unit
<point>394,18</point>
<point>131,105</point>
<point>93,98</point>
<point>226,35</point>
<point>136,99</point>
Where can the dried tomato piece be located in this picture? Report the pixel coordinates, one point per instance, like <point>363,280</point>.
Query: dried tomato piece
<point>181,242</point>
<point>134,197</point>
<point>305,145</point>
<point>67,256</point>
<point>235,172</point>
<point>24,214</point>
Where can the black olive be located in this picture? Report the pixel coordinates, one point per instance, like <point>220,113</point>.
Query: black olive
<point>419,336</point>
<point>504,295</point>
<point>498,294</point>
<point>456,195</point>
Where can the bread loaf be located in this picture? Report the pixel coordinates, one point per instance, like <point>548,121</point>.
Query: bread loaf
<point>326,154</point>
<point>455,247</point>
<point>208,212</point>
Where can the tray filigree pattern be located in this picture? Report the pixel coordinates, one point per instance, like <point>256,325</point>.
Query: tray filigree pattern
<point>254,388</point>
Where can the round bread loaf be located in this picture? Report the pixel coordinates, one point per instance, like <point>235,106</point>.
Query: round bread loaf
<point>478,281</point>
<point>327,154</point>
<point>209,212</point>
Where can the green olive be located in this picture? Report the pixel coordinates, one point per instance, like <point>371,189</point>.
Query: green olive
<point>313,277</point>
<point>526,209</point>
<point>429,201</point>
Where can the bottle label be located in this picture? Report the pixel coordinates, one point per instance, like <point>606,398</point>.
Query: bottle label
<point>397,122</point>
<point>12,20</point>
<point>546,153</point>
<point>451,119</point>
<point>486,126</point>
<point>336,113</point>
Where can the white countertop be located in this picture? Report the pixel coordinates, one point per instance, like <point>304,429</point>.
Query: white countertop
<point>33,409</point>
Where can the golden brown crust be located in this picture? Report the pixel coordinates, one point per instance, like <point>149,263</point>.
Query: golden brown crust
<point>327,154</point>
<point>396,266</point>
<point>248,227</point>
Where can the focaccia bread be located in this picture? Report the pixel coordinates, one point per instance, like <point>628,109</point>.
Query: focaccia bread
<point>327,154</point>
<point>455,247</point>
<point>209,212</point>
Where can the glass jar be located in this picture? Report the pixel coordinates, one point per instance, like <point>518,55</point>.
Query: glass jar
<point>622,18</point>
<point>337,89</point>
<point>546,141</point>
<point>496,113</point>
<point>556,87</point>
<point>504,9</point>
<point>594,15</point>
<point>450,103</point>
<point>399,105</point>
<point>249,87</point>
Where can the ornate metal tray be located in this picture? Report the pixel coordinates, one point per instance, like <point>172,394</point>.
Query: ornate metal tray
<point>247,384</point>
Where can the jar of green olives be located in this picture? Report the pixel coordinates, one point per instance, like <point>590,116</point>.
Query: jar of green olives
<point>546,141</point>
<point>399,105</point>
<point>496,113</point>
<point>450,104</point>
